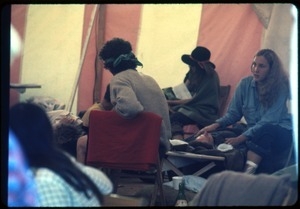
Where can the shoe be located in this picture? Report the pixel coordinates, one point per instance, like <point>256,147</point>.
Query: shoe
<point>250,169</point>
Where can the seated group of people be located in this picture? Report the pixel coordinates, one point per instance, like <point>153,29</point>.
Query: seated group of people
<point>260,98</point>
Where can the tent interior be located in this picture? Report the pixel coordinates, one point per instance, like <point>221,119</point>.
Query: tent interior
<point>61,42</point>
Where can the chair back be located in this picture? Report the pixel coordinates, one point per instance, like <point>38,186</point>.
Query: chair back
<point>118,143</point>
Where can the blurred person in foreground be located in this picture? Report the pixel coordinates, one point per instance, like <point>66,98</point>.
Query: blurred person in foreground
<point>21,188</point>
<point>61,180</point>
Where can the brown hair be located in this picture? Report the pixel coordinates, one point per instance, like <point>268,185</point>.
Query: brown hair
<point>277,78</point>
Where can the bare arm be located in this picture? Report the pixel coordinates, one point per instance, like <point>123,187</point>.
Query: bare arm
<point>234,141</point>
<point>209,128</point>
<point>106,104</point>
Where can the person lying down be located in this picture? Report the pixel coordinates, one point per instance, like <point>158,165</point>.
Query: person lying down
<point>214,143</point>
<point>210,140</point>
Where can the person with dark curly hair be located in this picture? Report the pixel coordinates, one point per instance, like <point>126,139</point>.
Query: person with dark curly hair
<point>66,133</point>
<point>131,92</point>
<point>66,126</point>
<point>262,100</point>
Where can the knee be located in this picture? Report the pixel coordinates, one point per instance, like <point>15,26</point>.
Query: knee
<point>255,148</point>
<point>268,127</point>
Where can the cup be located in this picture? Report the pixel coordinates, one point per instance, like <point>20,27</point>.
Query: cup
<point>176,181</point>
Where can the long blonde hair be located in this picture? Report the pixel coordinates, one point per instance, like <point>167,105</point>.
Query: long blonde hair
<point>276,79</point>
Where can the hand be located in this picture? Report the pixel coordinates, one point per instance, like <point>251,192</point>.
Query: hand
<point>172,102</point>
<point>234,141</point>
<point>209,128</point>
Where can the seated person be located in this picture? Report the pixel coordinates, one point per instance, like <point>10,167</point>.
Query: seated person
<point>211,140</point>
<point>61,180</point>
<point>131,92</point>
<point>66,133</point>
<point>262,98</point>
<point>202,81</point>
<point>213,143</point>
<point>66,126</point>
<point>103,105</point>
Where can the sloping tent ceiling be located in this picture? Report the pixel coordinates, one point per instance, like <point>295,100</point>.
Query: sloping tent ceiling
<point>58,37</point>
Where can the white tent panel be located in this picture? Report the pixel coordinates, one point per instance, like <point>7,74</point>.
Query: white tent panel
<point>55,59</point>
<point>163,56</point>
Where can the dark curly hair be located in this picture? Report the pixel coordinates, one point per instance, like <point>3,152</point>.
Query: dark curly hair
<point>66,130</point>
<point>112,50</point>
<point>66,134</point>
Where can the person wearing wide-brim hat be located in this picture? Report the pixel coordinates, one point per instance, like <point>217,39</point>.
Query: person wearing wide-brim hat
<point>200,56</point>
<point>203,83</point>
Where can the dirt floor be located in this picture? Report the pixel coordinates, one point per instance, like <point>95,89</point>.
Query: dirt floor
<point>137,188</point>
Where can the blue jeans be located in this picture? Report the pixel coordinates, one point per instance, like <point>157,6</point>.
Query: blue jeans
<point>272,143</point>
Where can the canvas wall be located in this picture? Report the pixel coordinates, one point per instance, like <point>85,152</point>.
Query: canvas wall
<point>55,37</point>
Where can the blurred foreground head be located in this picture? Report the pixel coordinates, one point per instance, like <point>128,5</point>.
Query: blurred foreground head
<point>31,125</point>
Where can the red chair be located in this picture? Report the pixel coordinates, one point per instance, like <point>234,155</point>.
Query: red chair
<point>116,144</point>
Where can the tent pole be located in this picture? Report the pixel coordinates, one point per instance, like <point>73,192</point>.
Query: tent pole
<point>98,64</point>
<point>74,89</point>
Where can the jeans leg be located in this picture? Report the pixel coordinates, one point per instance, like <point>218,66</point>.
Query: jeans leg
<point>271,142</point>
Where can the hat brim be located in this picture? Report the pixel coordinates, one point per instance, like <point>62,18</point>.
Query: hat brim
<point>187,60</point>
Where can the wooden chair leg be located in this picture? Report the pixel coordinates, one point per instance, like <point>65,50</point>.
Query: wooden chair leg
<point>159,180</point>
<point>160,188</point>
<point>154,194</point>
<point>115,177</point>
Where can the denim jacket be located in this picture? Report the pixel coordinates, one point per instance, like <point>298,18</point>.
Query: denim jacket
<point>245,102</point>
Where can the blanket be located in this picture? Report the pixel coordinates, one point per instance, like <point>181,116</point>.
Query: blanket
<point>230,188</point>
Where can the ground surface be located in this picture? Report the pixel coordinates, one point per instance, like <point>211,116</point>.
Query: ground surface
<point>137,187</point>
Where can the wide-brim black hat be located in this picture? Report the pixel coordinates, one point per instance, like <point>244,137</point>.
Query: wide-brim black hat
<point>199,54</point>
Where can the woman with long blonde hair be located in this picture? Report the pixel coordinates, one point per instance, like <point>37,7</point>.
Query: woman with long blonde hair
<point>262,100</point>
